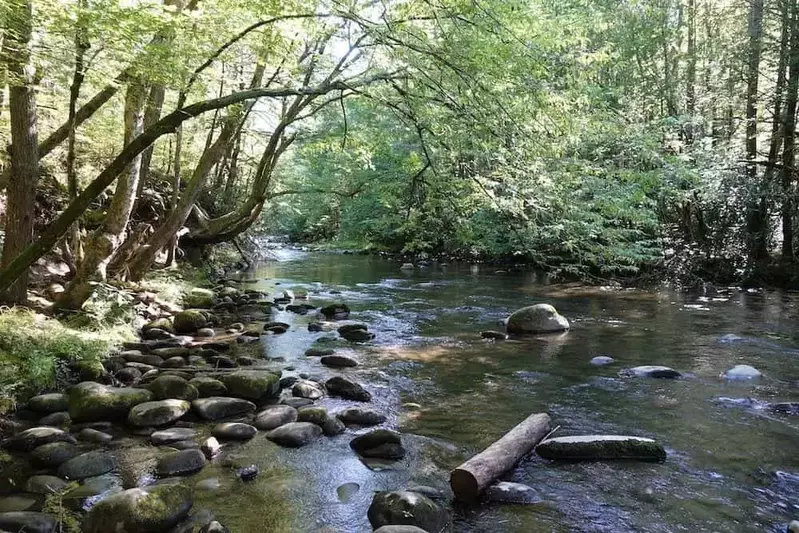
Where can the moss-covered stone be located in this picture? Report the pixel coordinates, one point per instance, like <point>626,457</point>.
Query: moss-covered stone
<point>207,387</point>
<point>156,508</point>
<point>199,298</point>
<point>252,384</point>
<point>158,413</point>
<point>159,323</point>
<point>314,415</point>
<point>94,402</point>
<point>189,321</point>
<point>539,318</point>
<point>48,403</point>
<point>601,447</point>
<point>167,387</point>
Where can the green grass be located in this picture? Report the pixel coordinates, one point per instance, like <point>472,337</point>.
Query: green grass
<point>35,348</point>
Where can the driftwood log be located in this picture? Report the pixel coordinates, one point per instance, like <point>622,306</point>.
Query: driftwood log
<point>471,478</point>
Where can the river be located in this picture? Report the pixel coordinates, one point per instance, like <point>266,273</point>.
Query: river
<point>729,467</point>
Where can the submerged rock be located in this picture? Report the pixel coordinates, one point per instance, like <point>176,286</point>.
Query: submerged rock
<point>295,434</point>
<point>338,361</point>
<point>182,463</point>
<point>307,389</point>
<point>406,508</point>
<point>602,360</point>
<point>493,335</point>
<point>741,373</point>
<point>399,529</point>
<point>154,509</point>
<point>234,431</point>
<point>335,311</point>
<point>507,492</point>
<point>380,443</point>
<point>651,371</point>
<point>601,447</point>
<point>539,318</point>
<point>319,352</point>
<point>361,417</point>
<point>788,408</point>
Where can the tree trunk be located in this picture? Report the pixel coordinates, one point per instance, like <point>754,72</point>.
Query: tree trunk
<point>471,478</point>
<point>788,152</point>
<point>24,144</point>
<point>152,113</point>
<point>756,216</point>
<point>110,235</point>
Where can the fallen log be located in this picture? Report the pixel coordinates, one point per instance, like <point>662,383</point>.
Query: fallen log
<point>471,478</point>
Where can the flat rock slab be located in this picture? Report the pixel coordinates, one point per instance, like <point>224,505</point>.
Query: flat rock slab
<point>295,434</point>
<point>600,448</point>
<point>234,431</point>
<point>168,436</point>
<point>217,407</point>
<point>651,371</point>
<point>89,464</point>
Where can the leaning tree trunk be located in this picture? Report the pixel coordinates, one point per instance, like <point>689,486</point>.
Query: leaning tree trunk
<point>111,234</point>
<point>24,142</point>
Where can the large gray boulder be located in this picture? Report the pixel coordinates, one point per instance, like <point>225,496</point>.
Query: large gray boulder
<point>154,509</point>
<point>274,417</point>
<point>94,402</point>
<point>539,318</point>
<point>406,508</point>
<point>158,413</point>
<point>379,443</point>
<point>295,434</point>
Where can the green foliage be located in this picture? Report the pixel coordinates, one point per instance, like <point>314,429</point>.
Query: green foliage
<point>34,350</point>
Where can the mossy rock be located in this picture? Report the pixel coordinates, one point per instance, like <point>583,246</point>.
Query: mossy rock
<point>252,384</point>
<point>539,318</point>
<point>601,448</point>
<point>406,508</point>
<point>48,403</point>
<point>190,320</point>
<point>314,415</point>
<point>94,402</point>
<point>199,298</point>
<point>88,370</point>
<point>166,387</point>
<point>207,386</point>
<point>159,323</point>
<point>153,508</point>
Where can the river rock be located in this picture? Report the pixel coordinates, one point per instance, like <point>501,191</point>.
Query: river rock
<point>93,402</point>
<point>54,454</point>
<point>234,431</point>
<point>349,390</point>
<point>295,434</point>
<point>182,463</point>
<point>539,318</point>
<point>741,373</point>
<point>339,361</point>
<point>169,387</point>
<point>210,448</point>
<point>128,375</point>
<point>214,526</point>
<point>319,352</point>
<point>335,311</point>
<point>788,408</point>
<point>44,484</point>
<point>207,386</point>
<point>507,492</point>
<point>601,447</point>
<point>205,333</point>
<point>602,360</point>
<point>307,389</point>
<point>296,402</point>
<point>347,328</point>
<point>28,522</point>
<point>253,385</point>
<point>493,335</point>
<point>406,508</point>
<point>360,416</point>
<point>189,321</point>
<point>172,435</point>
<point>135,356</point>
<point>379,443</point>
<point>34,437</point>
<point>170,352</point>
<point>651,371</point>
<point>49,403</point>
<point>89,464</point>
<point>174,362</point>
<point>156,509</point>
<point>315,327</point>
<point>90,491</point>
<point>160,413</point>
<point>95,436</point>
<point>358,335</point>
<point>793,527</point>
<point>199,298</point>
<point>59,420</point>
<point>314,415</point>
<point>274,417</point>
<point>217,407</point>
<point>399,529</point>
<point>333,426</point>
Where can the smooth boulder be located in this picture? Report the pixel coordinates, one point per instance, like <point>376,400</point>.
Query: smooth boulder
<point>207,387</point>
<point>651,371</point>
<point>274,417</point>
<point>28,522</point>
<point>349,390</point>
<point>600,448</point>
<point>182,463</point>
<point>217,407</point>
<point>406,508</point>
<point>295,434</point>
<point>359,416</point>
<point>160,413</point>
<point>94,402</point>
<point>49,403</point>
<point>508,492</point>
<point>741,373</point>
<point>89,464</point>
<point>29,439</point>
<point>252,385</point>
<point>379,443</point>
<point>539,318</point>
<point>153,509</point>
<point>173,388</point>
<point>338,361</point>
<point>234,431</point>
<point>172,435</point>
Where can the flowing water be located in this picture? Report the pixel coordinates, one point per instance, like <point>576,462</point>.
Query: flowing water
<point>732,466</point>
